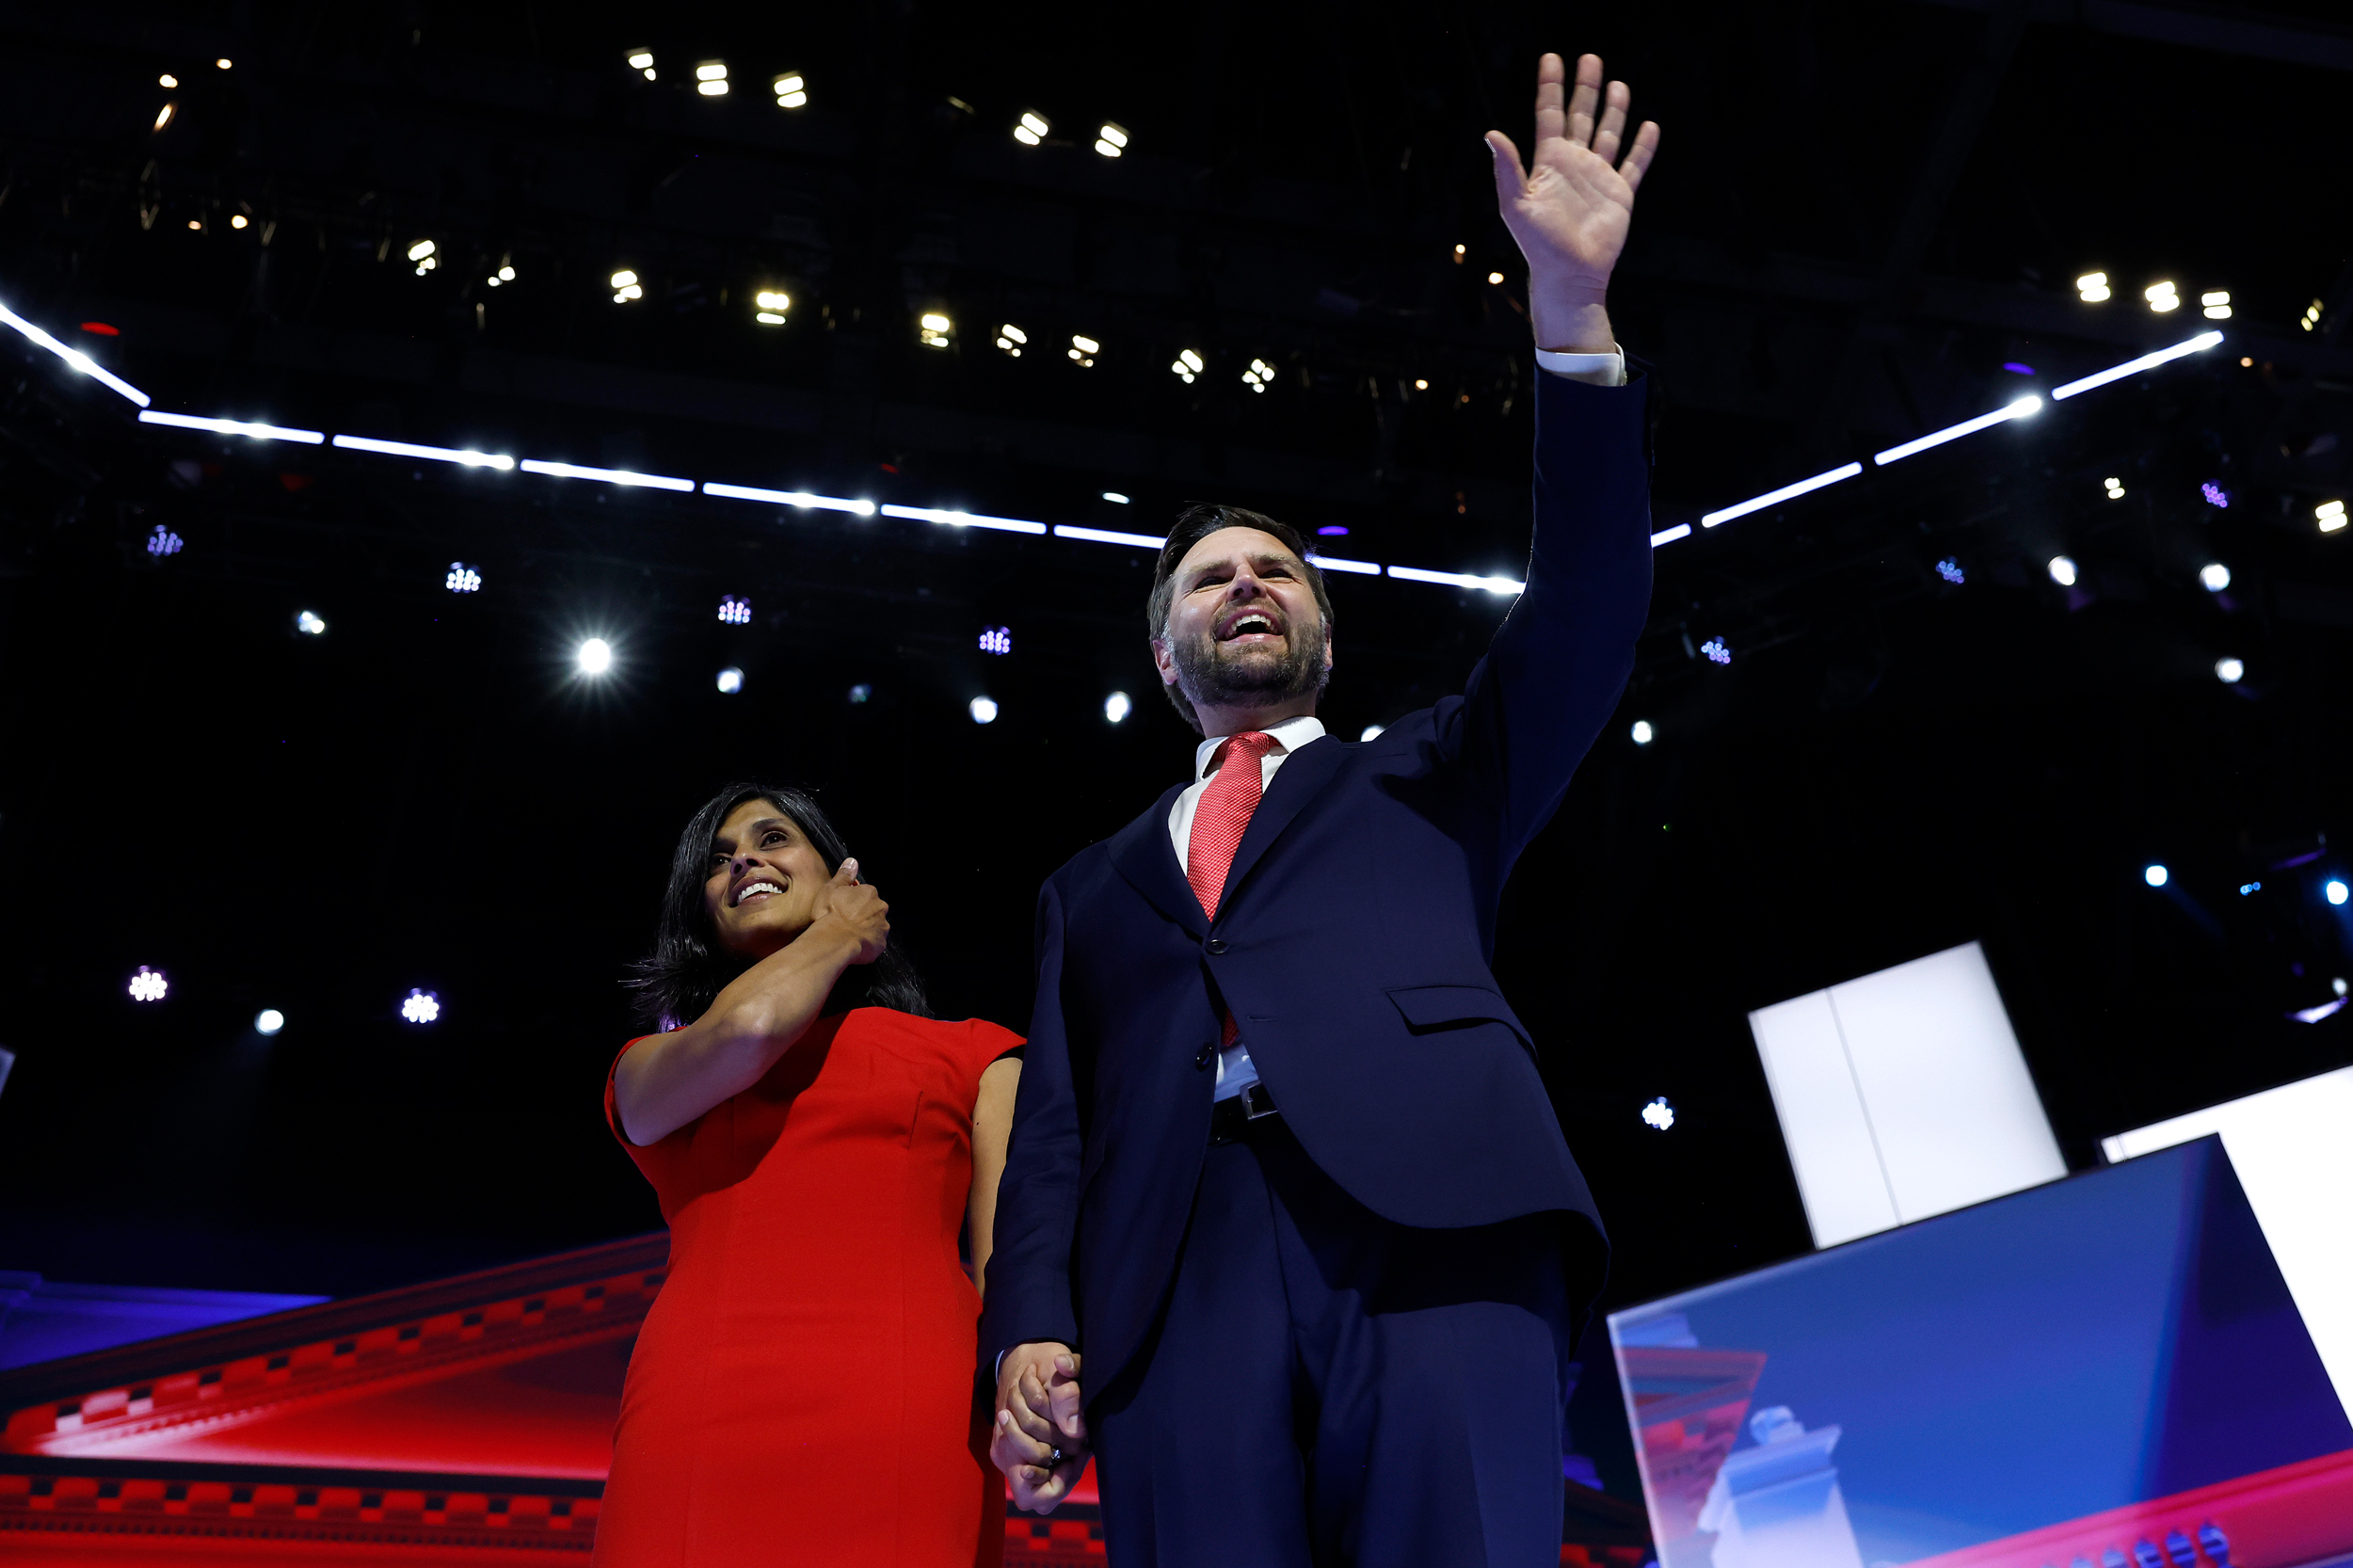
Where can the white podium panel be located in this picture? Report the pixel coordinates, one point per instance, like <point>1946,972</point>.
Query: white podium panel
<point>1903,1095</point>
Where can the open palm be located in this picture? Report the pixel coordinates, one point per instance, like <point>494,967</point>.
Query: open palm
<point>1570,208</point>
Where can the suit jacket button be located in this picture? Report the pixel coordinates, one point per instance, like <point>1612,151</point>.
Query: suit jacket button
<point>1216,945</point>
<point>1203,1057</point>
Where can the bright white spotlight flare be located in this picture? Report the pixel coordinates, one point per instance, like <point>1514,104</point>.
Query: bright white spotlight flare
<point>268,1021</point>
<point>983,709</point>
<point>1659,1114</point>
<point>308,624</point>
<point>730,681</point>
<point>2062,570</point>
<point>72,357</point>
<point>1116,708</point>
<point>420,1006</point>
<point>2230,671</point>
<point>1643,732</point>
<point>595,656</point>
<point>2214,576</point>
<point>149,984</point>
<point>2155,875</point>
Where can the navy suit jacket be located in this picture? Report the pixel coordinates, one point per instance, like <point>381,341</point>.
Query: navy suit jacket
<point>1353,944</point>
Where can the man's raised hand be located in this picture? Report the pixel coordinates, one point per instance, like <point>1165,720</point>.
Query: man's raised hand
<point>1571,206</point>
<point>1038,1412</point>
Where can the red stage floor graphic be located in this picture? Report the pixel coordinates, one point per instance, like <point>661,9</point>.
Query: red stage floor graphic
<point>463,1419</point>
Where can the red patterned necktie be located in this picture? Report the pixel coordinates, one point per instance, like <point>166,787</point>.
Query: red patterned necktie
<point>1219,820</point>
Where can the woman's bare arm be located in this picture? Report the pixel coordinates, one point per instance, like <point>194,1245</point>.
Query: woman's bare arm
<point>667,1082</point>
<point>992,1127</point>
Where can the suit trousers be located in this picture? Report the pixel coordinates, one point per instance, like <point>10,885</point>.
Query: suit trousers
<point>1325,1388</point>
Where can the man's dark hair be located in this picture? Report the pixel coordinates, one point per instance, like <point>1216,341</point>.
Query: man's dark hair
<point>687,968</point>
<point>1194,525</point>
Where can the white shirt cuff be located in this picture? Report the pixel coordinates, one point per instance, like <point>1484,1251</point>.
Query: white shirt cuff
<point>1600,370</point>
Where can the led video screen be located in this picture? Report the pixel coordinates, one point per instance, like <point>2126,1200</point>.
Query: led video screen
<point>2103,1370</point>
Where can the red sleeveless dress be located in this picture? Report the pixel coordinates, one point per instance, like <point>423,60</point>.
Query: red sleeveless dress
<point>803,1390</point>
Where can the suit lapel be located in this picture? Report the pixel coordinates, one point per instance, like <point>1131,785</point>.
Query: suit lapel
<point>1142,852</point>
<point>1300,779</point>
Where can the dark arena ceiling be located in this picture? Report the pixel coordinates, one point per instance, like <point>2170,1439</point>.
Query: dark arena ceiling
<point>1866,223</point>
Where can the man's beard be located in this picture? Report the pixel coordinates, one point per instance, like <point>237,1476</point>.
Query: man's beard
<point>1218,675</point>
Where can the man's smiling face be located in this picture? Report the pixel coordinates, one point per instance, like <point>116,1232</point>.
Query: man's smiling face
<point>1243,628</point>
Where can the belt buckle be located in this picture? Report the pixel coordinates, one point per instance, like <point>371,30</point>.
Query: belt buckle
<point>1256,1102</point>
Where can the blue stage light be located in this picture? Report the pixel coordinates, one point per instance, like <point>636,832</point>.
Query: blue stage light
<point>1659,1114</point>
<point>996,639</point>
<point>2156,876</point>
<point>2335,890</point>
<point>2248,888</point>
<point>162,541</point>
<point>420,1007</point>
<point>1717,650</point>
<point>2215,495</point>
<point>735,610</point>
<point>1949,569</point>
<point>463,579</point>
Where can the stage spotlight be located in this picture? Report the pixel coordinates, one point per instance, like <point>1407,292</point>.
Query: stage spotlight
<point>422,253</point>
<point>996,639</point>
<point>2214,494</point>
<point>2162,297</point>
<point>1186,366</point>
<point>221,65</point>
<point>463,579</point>
<point>2155,875</point>
<point>1083,350</point>
<point>1031,129</point>
<point>2312,316</point>
<point>642,60</point>
<point>861,693</point>
<point>934,330</point>
<point>2092,287</point>
<point>162,541</point>
<point>791,90</point>
<point>2329,515</point>
<point>236,220</point>
<point>1260,376</point>
<point>626,287</point>
<point>310,624</point>
<point>983,709</point>
<point>1495,278</point>
<point>1115,498</point>
<point>1659,1114</point>
<point>420,1006</point>
<point>149,984</point>
<point>1112,140</point>
<point>595,656</point>
<point>1116,708</point>
<point>2230,671</point>
<point>2062,570</point>
<point>268,1021</point>
<point>1949,569</point>
<point>2335,891</point>
<point>1010,338</point>
<point>711,78</point>
<point>2248,889</point>
<point>505,273</point>
<point>2214,576</point>
<point>2218,304</point>
<point>2114,488</point>
<point>772,305</point>
<point>730,681</point>
<point>735,610</point>
<point>163,116</point>
<point>1372,732</point>
<point>1460,252</point>
<point>1643,732</point>
<point>167,80</point>
<point>1717,650</point>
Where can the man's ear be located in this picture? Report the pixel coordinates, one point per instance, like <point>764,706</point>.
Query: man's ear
<point>1164,661</point>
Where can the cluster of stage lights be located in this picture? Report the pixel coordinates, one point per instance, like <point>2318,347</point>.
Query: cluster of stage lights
<point>2334,890</point>
<point>1659,1114</point>
<point>1032,128</point>
<point>2163,296</point>
<point>149,985</point>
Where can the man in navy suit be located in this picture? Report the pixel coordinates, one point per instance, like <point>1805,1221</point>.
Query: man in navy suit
<point>1288,1234</point>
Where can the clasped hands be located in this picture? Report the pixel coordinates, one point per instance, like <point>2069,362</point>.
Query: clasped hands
<point>1038,1416</point>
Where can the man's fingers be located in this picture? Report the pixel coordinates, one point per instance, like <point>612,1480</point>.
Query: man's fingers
<point>1549,76</point>
<point>1612,122</point>
<point>1583,99</point>
<point>1645,149</point>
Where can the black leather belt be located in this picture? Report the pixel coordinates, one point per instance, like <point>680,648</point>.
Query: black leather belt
<point>1230,1118</point>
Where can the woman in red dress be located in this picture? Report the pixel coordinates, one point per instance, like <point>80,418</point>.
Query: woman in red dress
<point>803,1390</point>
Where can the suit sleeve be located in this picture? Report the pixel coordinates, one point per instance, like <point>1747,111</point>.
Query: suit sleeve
<point>1559,663</point>
<point>1037,1203</point>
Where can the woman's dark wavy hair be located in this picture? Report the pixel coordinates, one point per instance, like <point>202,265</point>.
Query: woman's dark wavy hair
<point>676,984</point>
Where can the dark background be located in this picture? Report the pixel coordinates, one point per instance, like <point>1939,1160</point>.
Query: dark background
<point>1860,214</point>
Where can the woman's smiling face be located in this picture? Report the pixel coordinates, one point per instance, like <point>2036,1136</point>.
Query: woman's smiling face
<point>763,881</point>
